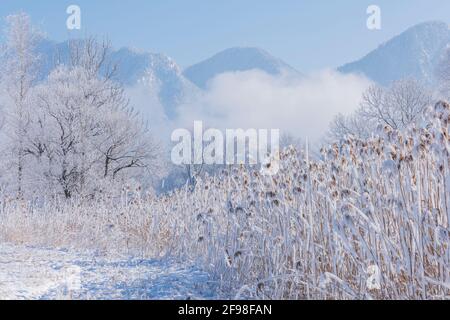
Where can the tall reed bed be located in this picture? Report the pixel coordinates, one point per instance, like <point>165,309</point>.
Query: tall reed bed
<point>369,219</point>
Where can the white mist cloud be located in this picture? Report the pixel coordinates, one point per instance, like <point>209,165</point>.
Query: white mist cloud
<point>254,99</point>
<point>144,99</point>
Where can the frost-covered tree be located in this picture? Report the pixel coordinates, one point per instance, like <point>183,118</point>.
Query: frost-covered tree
<point>17,76</point>
<point>396,106</point>
<point>86,133</point>
<point>75,130</point>
<point>353,124</point>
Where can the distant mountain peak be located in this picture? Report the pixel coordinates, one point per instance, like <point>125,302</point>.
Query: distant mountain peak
<point>233,60</point>
<point>249,51</point>
<point>412,54</point>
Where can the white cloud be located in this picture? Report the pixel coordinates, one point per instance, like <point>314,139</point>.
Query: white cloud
<point>144,99</point>
<point>254,99</point>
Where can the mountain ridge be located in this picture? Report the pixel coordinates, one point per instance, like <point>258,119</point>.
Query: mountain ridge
<point>390,61</point>
<point>413,53</point>
<point>236,59</point>
<point>161,73</point>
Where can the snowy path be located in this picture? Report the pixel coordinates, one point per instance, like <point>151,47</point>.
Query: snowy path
<point>30,273</point>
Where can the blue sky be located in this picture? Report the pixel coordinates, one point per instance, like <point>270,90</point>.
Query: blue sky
<point>308,34</point>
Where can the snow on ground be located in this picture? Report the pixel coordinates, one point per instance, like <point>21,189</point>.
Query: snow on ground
<point>34,273</point>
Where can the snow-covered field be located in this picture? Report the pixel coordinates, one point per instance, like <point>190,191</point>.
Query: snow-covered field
<point>34,273</point>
